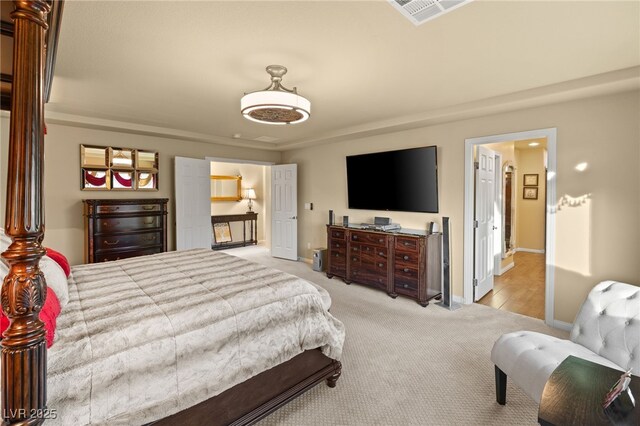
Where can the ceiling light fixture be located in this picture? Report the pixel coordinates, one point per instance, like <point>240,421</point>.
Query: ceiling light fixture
<point>534,144</point>
<point>276,104</point>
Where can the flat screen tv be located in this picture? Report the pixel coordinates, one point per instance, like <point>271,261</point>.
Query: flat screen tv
<point>404,180</point>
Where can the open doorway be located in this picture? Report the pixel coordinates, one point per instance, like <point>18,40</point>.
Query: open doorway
<point>244,219</point>
<point>509,186</point>
<point>519,227</point>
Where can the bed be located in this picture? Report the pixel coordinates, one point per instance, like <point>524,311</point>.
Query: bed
<point>135,342</point>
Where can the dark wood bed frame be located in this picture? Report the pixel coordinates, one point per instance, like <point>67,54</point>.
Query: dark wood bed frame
<point>24,352</point>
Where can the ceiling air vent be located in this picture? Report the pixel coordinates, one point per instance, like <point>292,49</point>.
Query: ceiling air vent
<point>421,11</point>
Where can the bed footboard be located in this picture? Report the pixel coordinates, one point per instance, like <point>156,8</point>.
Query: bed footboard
<point>254,399</point>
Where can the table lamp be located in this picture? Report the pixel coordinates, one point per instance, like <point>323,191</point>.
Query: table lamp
<point>250,194</point>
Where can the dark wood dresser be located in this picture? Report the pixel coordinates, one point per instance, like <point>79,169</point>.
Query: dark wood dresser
<point>398,263</point>
<point>118,229</point>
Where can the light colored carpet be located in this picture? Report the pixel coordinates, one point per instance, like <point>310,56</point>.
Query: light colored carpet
<point>407,365</point>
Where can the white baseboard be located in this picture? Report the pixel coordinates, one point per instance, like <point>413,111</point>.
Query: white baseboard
<point>506,268</point>
<point>561,325</point>
<point>458,299</point>
<point>528,250</point>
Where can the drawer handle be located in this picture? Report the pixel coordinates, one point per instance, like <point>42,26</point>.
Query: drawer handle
<point>381,240</point>
<point>111,209</point>
<point>112,223</point>
<point>148,207</point>
<point>355,237</point>
<point>354,248</point>
<point>149,222</point>
<point>405,270</point>
<point>381,264</point>
<point>405,285</point>
<point>150,238</point>
<point>406,243</point>
<point>405,257</point>
<point>381,254</point>
<point>354,258</point>
<point>109,243</point>
<point>337,245</point>
<point>367,248</point>
<point>337,254</point>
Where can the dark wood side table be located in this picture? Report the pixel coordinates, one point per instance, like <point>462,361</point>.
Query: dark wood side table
<point>573,395</point>
<point>251,217</point>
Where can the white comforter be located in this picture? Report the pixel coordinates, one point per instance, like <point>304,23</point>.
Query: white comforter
<point>146,337</point>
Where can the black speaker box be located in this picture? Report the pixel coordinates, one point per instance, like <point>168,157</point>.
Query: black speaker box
<point>332,218</point>
<point>345,220</point>
<point>446,263</point>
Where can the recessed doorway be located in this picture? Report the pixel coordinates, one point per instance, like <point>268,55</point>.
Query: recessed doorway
<point>508,251</point>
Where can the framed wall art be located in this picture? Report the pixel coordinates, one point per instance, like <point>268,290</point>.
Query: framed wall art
<point>222,232</point>
<point>530,193</point>
<point>531,180</point>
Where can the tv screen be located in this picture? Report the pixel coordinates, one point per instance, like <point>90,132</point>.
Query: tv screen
<point>404,180</point>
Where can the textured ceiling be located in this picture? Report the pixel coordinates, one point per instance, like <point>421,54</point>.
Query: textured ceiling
<point>185,65</point>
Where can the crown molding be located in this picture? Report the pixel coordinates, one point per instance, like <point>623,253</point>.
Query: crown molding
<point>627,79</point>
<point>73,120</point>
<point>602,84</point>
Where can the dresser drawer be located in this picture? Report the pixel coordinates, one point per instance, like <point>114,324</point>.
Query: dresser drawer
<point>369,238</point>
<point>337,234</point>
<point>338,269</point>
<point>128,208</point>
<point>404,272</point>
<point>407,243</point>
<point>373,254</point>
<point>410,258</point>
<point>131,240</point>
<point>338,244</point>
<point>338,256</point>
<point>370,276</point>
<point>406,281</point>
<point>125,224</point>
<point>110,256</point>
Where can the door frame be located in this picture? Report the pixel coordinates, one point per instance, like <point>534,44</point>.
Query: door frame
<point>469,172</point>
<point>266,223</point>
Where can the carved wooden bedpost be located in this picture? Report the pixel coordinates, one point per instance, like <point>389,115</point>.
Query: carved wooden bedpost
<point>24,352</point>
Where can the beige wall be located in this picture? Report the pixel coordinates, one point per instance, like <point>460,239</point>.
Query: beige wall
<point>253,176</point>
<point>63,197</point>
<point>530,214</point>
<point>597,211</point>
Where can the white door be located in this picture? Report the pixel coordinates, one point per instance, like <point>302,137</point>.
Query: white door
<point>484,227</point>
<point>284,211</point>
<point>497,219</point>
<point>193,203</point>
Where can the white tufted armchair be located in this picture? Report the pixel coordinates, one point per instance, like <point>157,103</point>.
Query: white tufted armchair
<point>606,331</point>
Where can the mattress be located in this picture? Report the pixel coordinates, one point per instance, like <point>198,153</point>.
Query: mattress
<point>146,337</point>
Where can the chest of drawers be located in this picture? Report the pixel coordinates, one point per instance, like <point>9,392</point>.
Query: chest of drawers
<point>121,228</point>
<point>409,265</point>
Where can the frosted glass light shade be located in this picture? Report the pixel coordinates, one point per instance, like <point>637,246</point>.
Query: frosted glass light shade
<point>275,107</point>
<point>249,194</point>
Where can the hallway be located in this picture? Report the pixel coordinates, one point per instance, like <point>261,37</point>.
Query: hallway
<point>521,289</point>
